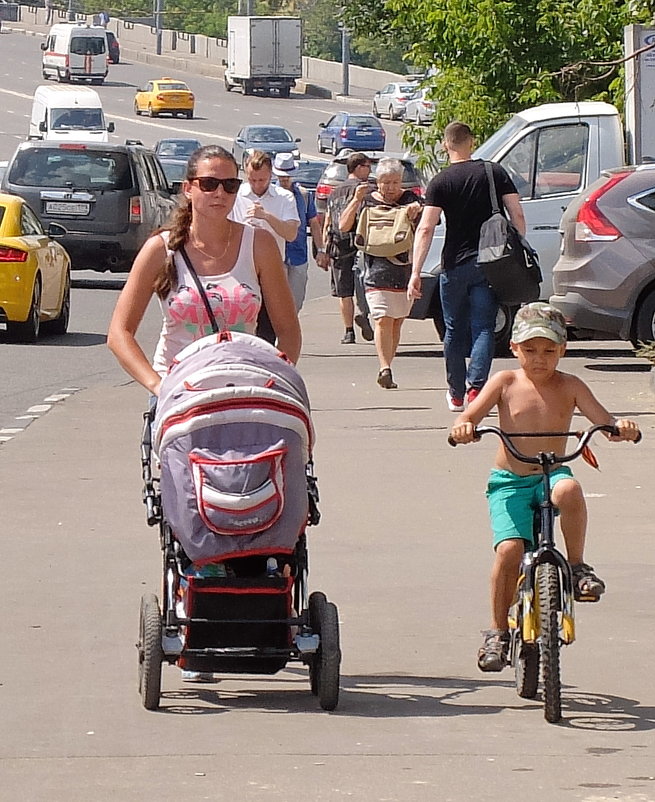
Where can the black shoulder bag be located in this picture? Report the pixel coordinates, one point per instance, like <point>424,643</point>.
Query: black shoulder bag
<point>509,262</point>
<point>201,289</point>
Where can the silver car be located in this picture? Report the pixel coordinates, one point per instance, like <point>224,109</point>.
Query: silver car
<point>391,100</point>
<point>419,109</point>
<point>604,280</point>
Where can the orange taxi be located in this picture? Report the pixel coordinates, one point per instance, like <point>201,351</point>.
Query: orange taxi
<point>164,96</point>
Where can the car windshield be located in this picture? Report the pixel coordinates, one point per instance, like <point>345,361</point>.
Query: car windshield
<point>269,135</point>
<point>173,87</point>
<point>65,119</point>
<point>177,147</point>
<point>76,168</point>
<point>2,214</point>
<point>407,89</point>
<point>87,45</point>
<point>488,149</point>
<point>309,172</point>
<point>175,171</point>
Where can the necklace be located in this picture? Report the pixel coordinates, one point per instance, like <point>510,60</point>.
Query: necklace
<point>211,255</point>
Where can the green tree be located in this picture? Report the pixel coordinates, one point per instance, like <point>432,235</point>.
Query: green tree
<point>490,58</point>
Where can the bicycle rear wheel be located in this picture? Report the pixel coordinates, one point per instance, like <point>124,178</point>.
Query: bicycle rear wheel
<point>548,591</point>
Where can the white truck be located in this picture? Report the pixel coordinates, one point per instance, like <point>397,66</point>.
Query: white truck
<point>552,153</point>
<point>68,114</point>
<point>263,54</point>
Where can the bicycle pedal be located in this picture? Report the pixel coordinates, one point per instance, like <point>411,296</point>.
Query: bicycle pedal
<point>587,599</point>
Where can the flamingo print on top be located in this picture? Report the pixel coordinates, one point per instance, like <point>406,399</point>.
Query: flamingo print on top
<point>234,297</point>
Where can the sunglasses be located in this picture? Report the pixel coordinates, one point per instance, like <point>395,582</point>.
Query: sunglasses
<point>208,183</point>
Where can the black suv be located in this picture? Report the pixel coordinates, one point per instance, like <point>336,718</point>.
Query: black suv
<point>109,198</point>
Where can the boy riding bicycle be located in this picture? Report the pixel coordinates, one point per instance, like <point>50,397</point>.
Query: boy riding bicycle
<point>536,397</point>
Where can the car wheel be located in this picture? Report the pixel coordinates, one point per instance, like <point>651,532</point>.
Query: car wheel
<point>60,324</point>
<point>228,86</point>
<point>151,112</point>
<point>503,330</point>
<point>319,147</point>
<point>376,113</point>
<point>28,332</point>
<point>334,149</point>
<point>189,115</point>
<point>390,113</point>
<point>645,325</point>
<point>136,109</point>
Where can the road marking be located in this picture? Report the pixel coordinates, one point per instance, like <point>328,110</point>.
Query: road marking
<point>35,412</point>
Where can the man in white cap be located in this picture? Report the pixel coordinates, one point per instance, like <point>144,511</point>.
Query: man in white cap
<point>259,202</point>
<point>296,257</point>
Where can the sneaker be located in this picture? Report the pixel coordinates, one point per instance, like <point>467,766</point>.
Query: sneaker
<point>348,338</point>
<point>454,404</point>
<point>363,323</point>
<point>587,587</point>
<point>472,394</point>
<point>385,379</point>
<point>197,676</point>
<point>492,655</point>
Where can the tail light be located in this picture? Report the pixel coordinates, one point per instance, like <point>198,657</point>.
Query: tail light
<point>323,191</point>
<point>418,191</point>
<point>12,254</point>
<point>72,146</point>
<point>591,224</point>
<point>191,97</point>
<point>135,210</point>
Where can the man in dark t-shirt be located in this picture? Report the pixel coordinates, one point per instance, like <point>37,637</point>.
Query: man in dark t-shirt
<point>468,303</point>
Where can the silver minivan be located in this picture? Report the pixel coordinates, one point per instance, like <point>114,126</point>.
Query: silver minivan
<point>109,198</point>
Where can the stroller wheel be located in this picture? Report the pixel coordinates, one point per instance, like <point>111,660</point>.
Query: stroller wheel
<point>317,602</point>
<point>150,652</point>
<point>325,667</point>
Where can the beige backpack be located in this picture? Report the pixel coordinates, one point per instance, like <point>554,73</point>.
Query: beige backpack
<point>384,231</point>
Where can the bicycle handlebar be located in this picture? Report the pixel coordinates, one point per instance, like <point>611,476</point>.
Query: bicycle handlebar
<point>506,438</point>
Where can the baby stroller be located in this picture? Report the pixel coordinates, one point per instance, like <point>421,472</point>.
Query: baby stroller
<point>235,491</point>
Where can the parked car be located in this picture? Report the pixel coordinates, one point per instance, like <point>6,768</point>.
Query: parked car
<point>392,98</point>
<point>272,139</point>
<point>346,130</point>
<point>35,274</point>
<point>164,96</point>
<point>175,172</point>
<point>419,109</point>
<point>114,48</point>
<point>109,197</point>
<point>604,280</point>
<point>177,148</point>
<point>336,173</point>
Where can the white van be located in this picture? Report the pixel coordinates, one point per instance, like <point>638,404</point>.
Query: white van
<point>68,114</point>
<point>74,52</point>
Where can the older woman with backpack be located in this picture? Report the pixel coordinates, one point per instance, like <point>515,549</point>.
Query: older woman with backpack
<point>385,220</point>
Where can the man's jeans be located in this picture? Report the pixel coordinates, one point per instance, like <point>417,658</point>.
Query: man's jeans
<point>469,311</point>
<point>297,277</point>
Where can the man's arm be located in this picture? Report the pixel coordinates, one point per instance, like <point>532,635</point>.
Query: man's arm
<point>422,241</point>
<point>317,237</point>
<point>512,204</point>
<point>288,229</point>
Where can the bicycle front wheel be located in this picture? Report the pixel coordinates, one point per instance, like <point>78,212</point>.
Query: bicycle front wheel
<point>548,589</point>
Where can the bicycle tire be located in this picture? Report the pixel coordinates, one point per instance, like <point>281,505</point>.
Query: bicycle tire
<point>549,643</point>
<point>526,670</point>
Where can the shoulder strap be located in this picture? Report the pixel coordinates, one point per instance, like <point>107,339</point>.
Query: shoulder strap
<point>201,289</point>
<point>495,208</point>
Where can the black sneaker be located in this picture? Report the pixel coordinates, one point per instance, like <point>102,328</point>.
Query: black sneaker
<point>492,655</point>
<point>363,323</point>
<point>348,338</point>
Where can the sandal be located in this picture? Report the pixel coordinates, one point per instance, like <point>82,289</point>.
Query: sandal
<point>492,655</point>
<point>587,587</point>
<point>385,379</point>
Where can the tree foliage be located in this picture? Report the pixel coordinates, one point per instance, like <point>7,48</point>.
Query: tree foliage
<point>491,58</point>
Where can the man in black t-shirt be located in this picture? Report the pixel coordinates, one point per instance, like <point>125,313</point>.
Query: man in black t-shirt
<point>468,303</point>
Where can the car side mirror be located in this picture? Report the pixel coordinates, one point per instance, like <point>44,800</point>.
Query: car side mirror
<point>297,139</point>
<point>43,127</point>
<point>224,62</point>
<point>321,125</point>
<point>56,230</point>
<point>44,45</point>
<point>111,128</point>
<point>176,187</point>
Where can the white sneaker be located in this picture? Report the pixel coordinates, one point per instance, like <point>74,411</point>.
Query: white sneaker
<point>454,404</point>
<point>197,676</point>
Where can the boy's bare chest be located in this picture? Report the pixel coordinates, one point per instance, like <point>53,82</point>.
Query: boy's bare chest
<point>543,409</point>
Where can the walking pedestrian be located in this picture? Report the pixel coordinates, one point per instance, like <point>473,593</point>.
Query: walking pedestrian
<point>49,11</point>
<point>468,303</point>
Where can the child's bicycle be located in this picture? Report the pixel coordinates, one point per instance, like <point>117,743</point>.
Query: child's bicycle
<point>541,617</point>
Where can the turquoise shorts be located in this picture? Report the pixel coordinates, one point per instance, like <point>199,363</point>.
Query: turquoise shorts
<point>513,500</point>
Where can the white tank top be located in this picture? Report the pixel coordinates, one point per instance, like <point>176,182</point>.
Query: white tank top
<point>235,299</point>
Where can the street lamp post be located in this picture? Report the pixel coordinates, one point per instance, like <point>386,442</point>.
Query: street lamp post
<point>345,61</point>
<point>159,9</point>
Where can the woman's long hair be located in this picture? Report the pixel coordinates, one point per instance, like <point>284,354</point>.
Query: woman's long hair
<point>180,221</point>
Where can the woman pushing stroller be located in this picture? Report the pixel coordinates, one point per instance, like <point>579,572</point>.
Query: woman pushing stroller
<point>234,266</point>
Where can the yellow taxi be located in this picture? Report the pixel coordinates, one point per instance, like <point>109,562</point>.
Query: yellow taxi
<point>35,279</point>
<point>164,96</point>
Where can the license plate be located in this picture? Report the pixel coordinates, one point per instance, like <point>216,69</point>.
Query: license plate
<point>362,133</point>
<point>61,207</point>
